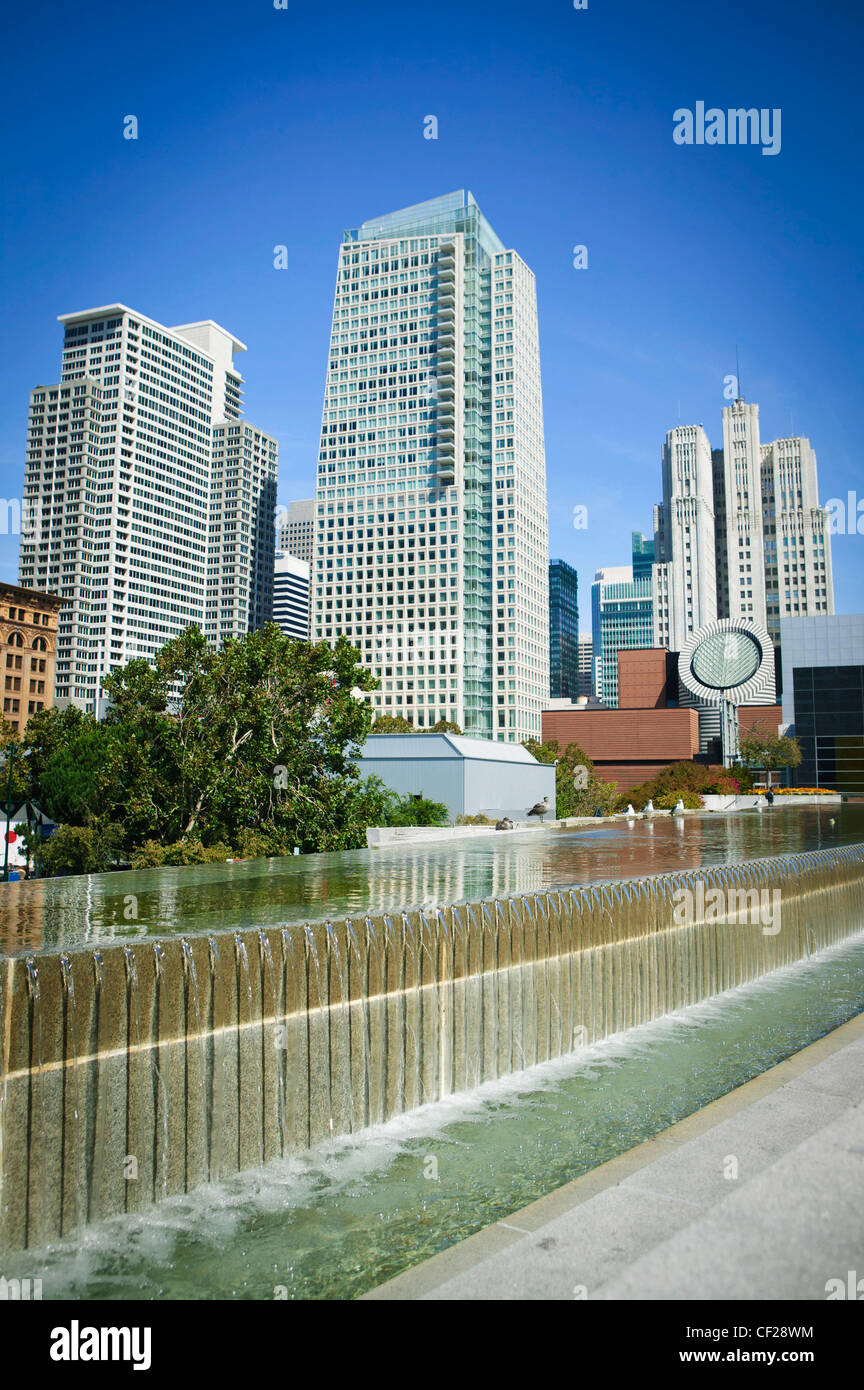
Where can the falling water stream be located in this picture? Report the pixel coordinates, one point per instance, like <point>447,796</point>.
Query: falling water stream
<point>354,1212</point>
<point>486,1014</point>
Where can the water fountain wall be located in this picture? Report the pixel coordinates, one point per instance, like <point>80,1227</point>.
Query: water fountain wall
<point>132,1073</point>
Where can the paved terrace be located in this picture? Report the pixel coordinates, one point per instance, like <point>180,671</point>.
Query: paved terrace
<point>663,1222</point>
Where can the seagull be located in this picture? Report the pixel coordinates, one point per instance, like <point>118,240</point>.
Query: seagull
<point>504,824</point>
<point>678,809</point>
<point>540,808</point>
<point>648,809</point>
<point>630,811</point>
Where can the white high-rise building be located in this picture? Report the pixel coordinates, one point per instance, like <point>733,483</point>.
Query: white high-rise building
<point>295,527</point>
<point>740,532</point>
<point>431,551</point>
<point>586,664</point>
<point>684,539</point>
<point>291,596</point>
<point>153,500</point>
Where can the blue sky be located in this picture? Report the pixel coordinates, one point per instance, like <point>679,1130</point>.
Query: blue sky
<point>260,127</point>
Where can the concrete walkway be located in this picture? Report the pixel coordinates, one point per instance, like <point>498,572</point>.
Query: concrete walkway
<point>669,1220</point>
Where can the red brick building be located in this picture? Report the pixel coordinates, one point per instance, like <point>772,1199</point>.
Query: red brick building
<point>634,742</point>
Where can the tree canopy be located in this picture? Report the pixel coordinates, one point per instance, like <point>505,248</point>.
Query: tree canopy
<point>211,747</point>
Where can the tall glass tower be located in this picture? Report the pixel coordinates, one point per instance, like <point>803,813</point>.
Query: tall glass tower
<point>431,547</point>
<point>563,631</point>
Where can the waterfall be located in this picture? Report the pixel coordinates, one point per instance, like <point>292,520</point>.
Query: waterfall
<point>132,1072</point>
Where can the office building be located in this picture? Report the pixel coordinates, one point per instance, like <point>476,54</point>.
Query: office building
<point>563,631</point>
<point>823,699</point>
<point>291,596</point>
<point>295,526</point>
<point>586,664</point>
<point>740,532</point>
<point>621,617</point>
<point>154,501</point>
<point>28,633</point>
<point>431,552</point>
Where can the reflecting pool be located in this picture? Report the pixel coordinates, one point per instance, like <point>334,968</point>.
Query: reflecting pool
<point>70,912</point>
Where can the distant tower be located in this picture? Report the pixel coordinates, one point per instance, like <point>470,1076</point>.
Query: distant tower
<point>563,631</point>
<point>291,596</point>
<point>295,526</point>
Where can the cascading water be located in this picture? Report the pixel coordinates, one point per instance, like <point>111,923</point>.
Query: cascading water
<point>210,1066</point>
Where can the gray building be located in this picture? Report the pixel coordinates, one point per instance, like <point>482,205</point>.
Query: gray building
<point>472,776</point>
<point>823,698</point>
<point>295,525</point>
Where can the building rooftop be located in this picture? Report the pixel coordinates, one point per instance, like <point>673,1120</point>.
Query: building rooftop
<point>438,746</point>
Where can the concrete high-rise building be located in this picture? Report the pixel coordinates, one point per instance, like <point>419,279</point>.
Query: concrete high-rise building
<point>240,545</point>
<point>621,617</point>
<point>291,596</point>
<point>740,532</point>
<point>586,664</point>
<point>295,527</point>
<point>431,551</point>
<point>684,540</point>
<point>563,631</point>
<point>153,500</point>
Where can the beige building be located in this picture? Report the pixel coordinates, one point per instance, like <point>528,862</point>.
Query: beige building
<point>28,632</point>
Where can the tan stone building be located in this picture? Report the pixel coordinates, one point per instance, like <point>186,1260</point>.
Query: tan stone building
<point>28,636</point>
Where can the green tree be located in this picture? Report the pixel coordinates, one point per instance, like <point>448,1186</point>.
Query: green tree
<point>392,724</point>
<point>760,749</point>
<point>87,849</point>
<point>578,790</point>
<point>444,726</point>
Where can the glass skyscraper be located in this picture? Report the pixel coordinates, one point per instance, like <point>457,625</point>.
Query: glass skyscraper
<point>622,615</point>
<point>563,631</point>
<point>431,528</point>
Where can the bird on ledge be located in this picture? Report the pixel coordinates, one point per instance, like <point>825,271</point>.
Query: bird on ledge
<point>540,808</point>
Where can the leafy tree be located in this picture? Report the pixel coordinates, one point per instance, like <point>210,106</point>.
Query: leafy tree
<point>211,748</point>
<point>10,747</point>
<point>392,724</point>
<point>444,726</point>
<point>578,790</point>
<point>83,849</point>
<point>761,749</point>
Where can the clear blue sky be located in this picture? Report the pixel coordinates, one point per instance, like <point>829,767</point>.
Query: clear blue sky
<point>260,127</point>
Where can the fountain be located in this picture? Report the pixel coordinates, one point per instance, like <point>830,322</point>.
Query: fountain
<point>138,1071</point>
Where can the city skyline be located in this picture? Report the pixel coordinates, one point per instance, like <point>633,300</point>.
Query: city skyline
<point>653,321</point>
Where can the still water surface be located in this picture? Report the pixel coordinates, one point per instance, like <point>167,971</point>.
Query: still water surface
<point>68,912</point>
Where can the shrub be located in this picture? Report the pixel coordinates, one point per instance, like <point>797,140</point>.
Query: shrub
<point>152,855</point>
<point>474,820</point>
<point>667,801</point>
<point>416,810</point>
<point>82,849</point>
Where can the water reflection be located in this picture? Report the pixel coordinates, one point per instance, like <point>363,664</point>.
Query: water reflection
<point>273,892</point>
